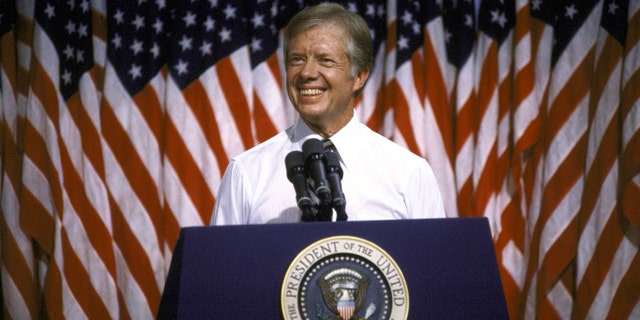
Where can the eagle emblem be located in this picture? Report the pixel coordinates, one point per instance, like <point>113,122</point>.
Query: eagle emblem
<point>344,291</point>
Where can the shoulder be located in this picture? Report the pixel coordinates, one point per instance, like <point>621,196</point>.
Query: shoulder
<point>389,149</point>
<point>265,152</point>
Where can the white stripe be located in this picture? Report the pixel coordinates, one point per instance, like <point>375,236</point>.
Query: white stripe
<point>575,52</point>
<point>97,272</point>
<point>134,299</point>
<point>406,82</point>
<point>191,134</point>
<point>178,200</point>
<point>273,99</point>
<point>602,213</point>
<point>437,156</point>
<point>231,140</point>
<point>134,124</point>
<point>435,32</point>
<point>513,261</point>
<point>369,101</point>
<point>561,218</point>
<point>625,253</point>
<point>565,140</point>
<point>561,300</point>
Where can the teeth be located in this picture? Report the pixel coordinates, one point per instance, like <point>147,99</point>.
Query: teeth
<point>310,92</point>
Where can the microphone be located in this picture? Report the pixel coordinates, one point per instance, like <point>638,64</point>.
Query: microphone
<point>294,161</point>
<point>313,152</point>
<point>334,175</point>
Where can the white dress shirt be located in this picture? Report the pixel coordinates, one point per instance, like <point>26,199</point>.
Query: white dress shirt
<point>382,180</point>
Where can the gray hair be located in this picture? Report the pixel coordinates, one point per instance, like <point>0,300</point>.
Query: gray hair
<point>359,48</point>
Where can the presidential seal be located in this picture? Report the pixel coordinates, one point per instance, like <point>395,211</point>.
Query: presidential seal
<point>344,278</point>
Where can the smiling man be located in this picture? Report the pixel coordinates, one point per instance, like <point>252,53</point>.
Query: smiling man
<point>328,55</point>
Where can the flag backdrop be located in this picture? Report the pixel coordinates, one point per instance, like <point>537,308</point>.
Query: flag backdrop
<point>118,118</point>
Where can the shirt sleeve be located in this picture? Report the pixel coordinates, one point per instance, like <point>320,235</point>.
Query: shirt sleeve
<point>231,206</point>
<point>424,200</point>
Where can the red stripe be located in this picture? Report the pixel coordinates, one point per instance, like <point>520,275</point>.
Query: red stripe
<point>196,96</point>
<point>133,167</point>
<point>238,103</point>
<point>265,128</point>
<point>401,115</point>
<point>436,92</point>
<point>186,168</point>
<point>627,296</point>
<point>77,278</point>
<point>135,257</point>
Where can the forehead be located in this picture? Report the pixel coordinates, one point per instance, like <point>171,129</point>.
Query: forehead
<point>326,37</point>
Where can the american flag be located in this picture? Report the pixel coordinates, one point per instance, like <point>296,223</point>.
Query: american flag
<point>119,117</point>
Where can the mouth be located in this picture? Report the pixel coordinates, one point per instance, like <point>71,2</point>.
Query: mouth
<point>311,92</point>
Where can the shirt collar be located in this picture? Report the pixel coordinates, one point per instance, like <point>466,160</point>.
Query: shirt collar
<point>346,140</point>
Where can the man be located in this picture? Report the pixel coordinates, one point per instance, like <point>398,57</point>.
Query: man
<point>328,55</point>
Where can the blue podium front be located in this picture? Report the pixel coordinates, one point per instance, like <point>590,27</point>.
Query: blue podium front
<point>447,266</point>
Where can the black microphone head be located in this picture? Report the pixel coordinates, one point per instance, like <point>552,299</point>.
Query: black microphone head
<point>333,162</point>
<point>312,147</point>
<point>294,161</point>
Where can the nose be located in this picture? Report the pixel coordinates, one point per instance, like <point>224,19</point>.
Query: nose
<point>309,70</point>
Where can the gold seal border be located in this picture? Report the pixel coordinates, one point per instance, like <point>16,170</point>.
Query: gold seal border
<point>287,313</point>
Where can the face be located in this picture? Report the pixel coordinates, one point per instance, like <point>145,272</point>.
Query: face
<point>319,80</point>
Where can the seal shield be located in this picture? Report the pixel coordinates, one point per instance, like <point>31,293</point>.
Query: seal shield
<point>344,277</point>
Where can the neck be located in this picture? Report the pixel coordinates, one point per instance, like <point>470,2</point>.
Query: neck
<point>328,127</point>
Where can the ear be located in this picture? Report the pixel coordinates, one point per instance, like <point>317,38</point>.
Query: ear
<point>360,79</point>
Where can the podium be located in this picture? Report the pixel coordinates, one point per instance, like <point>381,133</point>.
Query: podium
<point>239,272</point>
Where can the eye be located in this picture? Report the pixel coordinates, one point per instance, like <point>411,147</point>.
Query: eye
<point>296,60</point>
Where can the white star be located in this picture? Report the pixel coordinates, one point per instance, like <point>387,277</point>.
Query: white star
<point>135,71</point>
<point>50,11</point>
<point>189,19</point>
<point>407,18</point>
<point>468,20</point>
<point>80,56</point>
<point>230,12</point>
<point>185,43</point>
<point>213,3</point>
<point>225,35</point>
<point>158,26</point>
<point>498,17</point>
<point>613,7</point>
<point>161,4</point>
<point>209,24</point>
<point>72,4</point>
<point>416,28</point>
<point>71,27</point>
<point>84,5</point>
<point>181,67</point>
<point>119,16</point>
<point>205,48</point>
<point>68,52</point>
<point>256,45</point>
<point>403,43</point>
<point>258,20</point>
<point>136,46</point>
<point>352,7</point>
<point>138,22</point>
<point>535,5</point>
<point>117,41</point>
<point>82,31</point>
<point>155,50</point>
<point>66,77</point>
<point>371,10</point>
<point>571,11</point>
